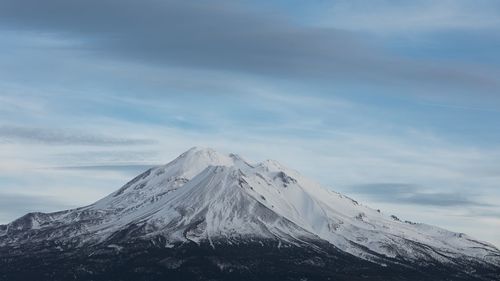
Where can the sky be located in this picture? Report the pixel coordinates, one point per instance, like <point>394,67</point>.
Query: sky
<point>394,103</point>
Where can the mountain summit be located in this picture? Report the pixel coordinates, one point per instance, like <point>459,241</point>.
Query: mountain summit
<point>208,215</point>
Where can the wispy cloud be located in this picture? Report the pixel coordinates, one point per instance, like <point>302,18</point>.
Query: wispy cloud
<point>410,16</point>
<point>414,194</point>
<point>63,137</point>
<point>120,168</point>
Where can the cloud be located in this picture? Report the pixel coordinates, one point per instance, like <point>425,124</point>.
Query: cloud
<point>63,137</point>
<point>226,36</point>
<point>403,16</point>
<point>487,213</point>
<point>133,169</point>
<point>402,193</point>
<point>108,156</point>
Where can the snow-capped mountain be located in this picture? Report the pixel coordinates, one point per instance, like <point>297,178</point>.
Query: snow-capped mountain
<point>213,201</point>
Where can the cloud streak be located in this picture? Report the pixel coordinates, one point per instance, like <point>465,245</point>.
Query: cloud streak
<point>414,194</point>
<point>63,137</point>
<point>403,16</point>
<point>137,169</point>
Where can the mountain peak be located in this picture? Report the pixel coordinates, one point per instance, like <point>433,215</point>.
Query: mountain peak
<point>196,159</point>
<point>198,152</point>
<point>200,149</point>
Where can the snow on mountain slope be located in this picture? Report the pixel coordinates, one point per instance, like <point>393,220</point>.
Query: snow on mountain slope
<point>206,196</point>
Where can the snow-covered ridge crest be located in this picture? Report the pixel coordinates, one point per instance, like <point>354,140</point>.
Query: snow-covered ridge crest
<point>204,195</point>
